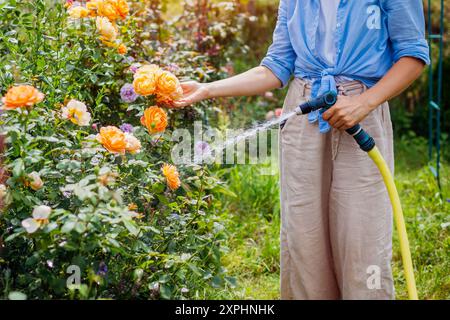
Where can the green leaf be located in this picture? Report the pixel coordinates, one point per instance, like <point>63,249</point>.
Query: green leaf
<point>225,191</point>
<point>114,242</point>
<point>131,227</point>
<point>18,168</point>
<point>68,226</point>
<point>80,227</point>
<point>16,295</point>
<point>165,291</point>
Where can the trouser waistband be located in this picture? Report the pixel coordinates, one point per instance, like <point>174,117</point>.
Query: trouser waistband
<point>346,88</point>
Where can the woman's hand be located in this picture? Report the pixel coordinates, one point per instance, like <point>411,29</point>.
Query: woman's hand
<point>347,112</point>
<point>351,110</point>
<point>252,82</point>
<point>193,92</point>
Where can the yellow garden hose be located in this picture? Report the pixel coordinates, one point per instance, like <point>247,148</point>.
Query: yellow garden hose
<point>367,144</point>
<point>376,156</point>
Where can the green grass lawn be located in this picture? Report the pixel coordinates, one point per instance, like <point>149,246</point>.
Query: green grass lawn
<point>253,225</point>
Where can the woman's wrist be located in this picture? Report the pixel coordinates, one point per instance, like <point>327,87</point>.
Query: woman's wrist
<point>209,89</point>
<point>369,101</point>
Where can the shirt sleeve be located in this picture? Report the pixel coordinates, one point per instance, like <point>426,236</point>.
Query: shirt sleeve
<point>406,27</point>
<point>281,56</point>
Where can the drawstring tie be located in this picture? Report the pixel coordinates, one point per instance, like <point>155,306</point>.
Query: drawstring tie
<point>325,83</point>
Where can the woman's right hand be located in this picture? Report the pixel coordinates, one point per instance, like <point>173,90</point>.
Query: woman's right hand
<point>193,92</point>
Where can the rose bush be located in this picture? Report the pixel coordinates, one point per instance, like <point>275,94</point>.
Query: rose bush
<point>87,179</point>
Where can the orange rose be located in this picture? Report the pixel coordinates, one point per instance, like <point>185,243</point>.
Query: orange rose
<point>132,206</point>
<point>146,79</point>
<point>122,49</point>
<point>122,8</point>
<point>21,96</point>
<point>155,119</point>
<point>113,9</point>
<point>172,176</point>
<point>113,139</point>
<point>168,87</point>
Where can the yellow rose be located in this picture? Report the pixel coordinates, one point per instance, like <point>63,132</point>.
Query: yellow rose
<point>108,32</point>
<point>92,6</point>
<point>78,12</point>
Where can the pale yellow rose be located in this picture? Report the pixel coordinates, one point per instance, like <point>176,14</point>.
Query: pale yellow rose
<point>133,144</point>
<point>76,111</point>
<point>39,218</point>
<point>148,69</point>
<point>78,12</point>
<point>36,182</point>
<point>2,192</point>
<point>107,30</point>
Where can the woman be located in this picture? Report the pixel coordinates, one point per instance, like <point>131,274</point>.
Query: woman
<point>336,216</point>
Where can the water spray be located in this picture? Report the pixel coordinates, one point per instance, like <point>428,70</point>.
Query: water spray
<point>367,144</point>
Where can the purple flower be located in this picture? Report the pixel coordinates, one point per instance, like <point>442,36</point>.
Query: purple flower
<point>129,59</point>
<point>134,67</point>
<point>102,269</point>
<point>126,127</point>
<point>202,147</point>
<point>172,67</point>
<point>202,151</point>
<point>127,93</point>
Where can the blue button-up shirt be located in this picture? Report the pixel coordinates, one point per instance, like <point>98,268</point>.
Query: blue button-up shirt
<point>371,35</point>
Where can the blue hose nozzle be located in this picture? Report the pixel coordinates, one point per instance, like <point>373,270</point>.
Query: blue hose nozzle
<point>326,101</point>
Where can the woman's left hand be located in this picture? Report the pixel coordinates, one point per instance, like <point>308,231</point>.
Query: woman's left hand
<point>347,112</point>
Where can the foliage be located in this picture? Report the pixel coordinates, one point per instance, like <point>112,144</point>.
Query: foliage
<point>111,214</point>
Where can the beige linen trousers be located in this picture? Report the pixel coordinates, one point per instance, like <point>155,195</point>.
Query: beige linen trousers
<point>336,217</point>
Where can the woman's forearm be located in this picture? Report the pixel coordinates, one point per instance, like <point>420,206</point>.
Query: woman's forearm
<point>351,110</point>
<point>252,82</point>
<point>400,77</point>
